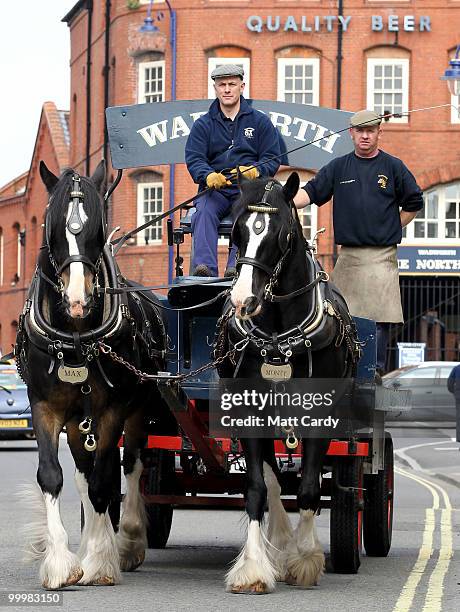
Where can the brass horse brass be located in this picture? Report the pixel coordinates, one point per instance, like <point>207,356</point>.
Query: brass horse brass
<point>272,371</point>
<point>73,375</point>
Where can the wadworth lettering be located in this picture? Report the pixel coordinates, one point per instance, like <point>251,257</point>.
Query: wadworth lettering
<point>329,23</point>
<point>300,129</point>
<point>155,134</point>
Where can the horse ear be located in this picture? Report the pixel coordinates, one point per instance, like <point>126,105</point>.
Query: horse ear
<point>292,186</point>
<point>48,178</point>
<point>98,177</point>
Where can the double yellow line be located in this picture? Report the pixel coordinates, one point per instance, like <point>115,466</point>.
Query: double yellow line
<point>433,598</point>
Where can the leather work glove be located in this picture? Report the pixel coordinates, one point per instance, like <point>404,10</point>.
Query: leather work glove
<point>217,180</point>
<point>248,172</point>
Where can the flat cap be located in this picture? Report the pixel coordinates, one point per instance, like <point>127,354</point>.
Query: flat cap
<point>227,70</point>
<point>365,117</point>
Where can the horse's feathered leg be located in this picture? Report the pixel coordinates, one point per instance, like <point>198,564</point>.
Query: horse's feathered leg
<point>304,555</point>
<point>132,535</point>
<point>84,462</point>
<point>280,531</point>
<point>101,563</point>
<point>253,570</point>
<point>50,542</point>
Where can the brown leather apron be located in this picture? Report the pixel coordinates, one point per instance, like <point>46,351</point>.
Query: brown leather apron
<point>369,281</point>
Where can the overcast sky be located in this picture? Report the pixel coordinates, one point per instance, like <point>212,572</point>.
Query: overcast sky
<point>34,68</point>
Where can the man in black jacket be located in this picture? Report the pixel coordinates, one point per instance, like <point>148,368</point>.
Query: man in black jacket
<point>369,187</point>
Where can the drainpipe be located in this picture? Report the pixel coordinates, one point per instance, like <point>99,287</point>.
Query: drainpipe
<point>338,101</point>
<point>172,171</point>
<point>106,72</point>
<point>89,7</point>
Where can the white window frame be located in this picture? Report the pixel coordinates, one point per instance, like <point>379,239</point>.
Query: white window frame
<point>440,240</point>
<point>142,217</point>
<point>143,67</point>
<point>372,62</point>
<point>313,211</point>
<point>284,62</point>
<point>213,62</point>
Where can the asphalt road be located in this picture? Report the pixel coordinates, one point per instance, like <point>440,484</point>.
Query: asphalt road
<point>420,572</point>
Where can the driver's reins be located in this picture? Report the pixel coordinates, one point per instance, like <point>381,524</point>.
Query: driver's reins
<point>261,208</point>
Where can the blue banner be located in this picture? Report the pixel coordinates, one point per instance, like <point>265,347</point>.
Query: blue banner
<point>429,260</point>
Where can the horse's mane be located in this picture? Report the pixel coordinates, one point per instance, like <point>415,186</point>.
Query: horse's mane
<point>59,204</point>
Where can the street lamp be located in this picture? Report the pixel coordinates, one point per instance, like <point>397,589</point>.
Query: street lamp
<point>452,74</point>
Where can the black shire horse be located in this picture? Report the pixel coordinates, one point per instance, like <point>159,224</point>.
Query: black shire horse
<point>61,350</point>
<point>282,304</point>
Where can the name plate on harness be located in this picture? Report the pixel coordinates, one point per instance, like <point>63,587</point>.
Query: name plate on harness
<point>273,371</point>
<point>72,374</point>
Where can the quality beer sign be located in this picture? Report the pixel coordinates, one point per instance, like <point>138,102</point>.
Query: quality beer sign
<point>155,134</point>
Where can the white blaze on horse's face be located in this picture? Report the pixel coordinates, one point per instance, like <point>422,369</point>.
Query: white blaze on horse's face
<point>75,284</point>
<point>243,286</point>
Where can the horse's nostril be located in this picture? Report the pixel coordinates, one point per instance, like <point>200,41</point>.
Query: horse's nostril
<point>250,304</point>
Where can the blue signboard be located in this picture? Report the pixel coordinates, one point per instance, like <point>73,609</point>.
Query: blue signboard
<point>155,134</point>
<point>429,260</point>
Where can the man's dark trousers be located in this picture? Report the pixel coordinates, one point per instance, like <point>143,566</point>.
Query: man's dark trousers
<point>211,208</point>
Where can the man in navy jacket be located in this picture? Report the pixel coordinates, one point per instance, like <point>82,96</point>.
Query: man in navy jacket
<point>231,134</point>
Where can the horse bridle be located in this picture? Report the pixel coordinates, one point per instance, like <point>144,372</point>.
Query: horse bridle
<point>261,208</point>
<point>74,225</point>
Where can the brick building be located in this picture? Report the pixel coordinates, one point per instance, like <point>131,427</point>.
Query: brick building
<point>382,54</point>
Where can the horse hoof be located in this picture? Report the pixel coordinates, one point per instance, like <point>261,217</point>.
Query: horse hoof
<point>103,581</point>
<point>256,588</point>
<point>129,565</point>
<point>76,575</point>
<point>72,579</point>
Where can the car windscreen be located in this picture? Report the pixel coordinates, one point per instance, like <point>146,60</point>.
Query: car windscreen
<point>10,379</point>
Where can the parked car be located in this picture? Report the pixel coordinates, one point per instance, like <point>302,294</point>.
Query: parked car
<point>15,413</point>
<point>431,400</point>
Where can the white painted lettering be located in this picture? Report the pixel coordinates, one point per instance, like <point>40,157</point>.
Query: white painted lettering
<point>377,23</point>
<point>154,132</point>
<point>179,128</point>
<point>329,19</point>
<point>305,27</point>
<point>393,24</point>
<point>254,23</point>
<point>344,21</point>
<point>273,23</point>
<point>409,23</point>
<point>281,121</point>
<point>330,142</point>
<point>290,24</point>
<point>304,125</point>
<point>425,23</point>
